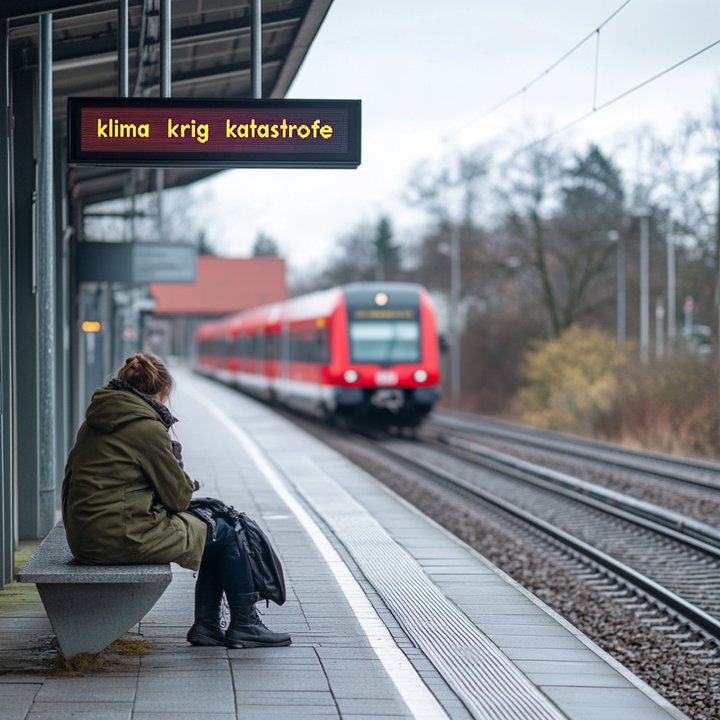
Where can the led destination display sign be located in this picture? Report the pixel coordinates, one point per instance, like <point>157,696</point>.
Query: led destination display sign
<point>169,132</point>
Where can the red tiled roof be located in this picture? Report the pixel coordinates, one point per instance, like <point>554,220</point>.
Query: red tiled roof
<point>224,285</point>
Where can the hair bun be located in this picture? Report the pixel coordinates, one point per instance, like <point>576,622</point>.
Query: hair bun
<point>146,372</point>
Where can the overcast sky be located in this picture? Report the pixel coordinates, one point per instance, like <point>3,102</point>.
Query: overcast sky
<point>424,68</point>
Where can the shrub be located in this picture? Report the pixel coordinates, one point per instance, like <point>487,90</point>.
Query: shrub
<point>672,406</point>
<point>570,382</point>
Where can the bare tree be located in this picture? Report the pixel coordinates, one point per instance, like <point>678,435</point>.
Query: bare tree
<point>558,216</point>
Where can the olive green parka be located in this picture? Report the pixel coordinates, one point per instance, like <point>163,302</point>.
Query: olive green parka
<point>124,491</point>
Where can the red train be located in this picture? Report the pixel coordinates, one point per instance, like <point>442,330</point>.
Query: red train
<point>364,352</point>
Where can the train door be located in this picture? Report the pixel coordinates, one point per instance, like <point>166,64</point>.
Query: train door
<point>260,351</point>
<point>285,352</point>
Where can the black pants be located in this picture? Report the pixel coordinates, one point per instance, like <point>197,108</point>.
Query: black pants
<point>223,568</point>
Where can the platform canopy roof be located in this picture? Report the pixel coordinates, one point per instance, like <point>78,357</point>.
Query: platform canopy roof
<point>210,58</point>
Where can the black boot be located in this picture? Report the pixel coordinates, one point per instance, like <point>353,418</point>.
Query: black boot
<point>207,630</point>
<point>246,629</point>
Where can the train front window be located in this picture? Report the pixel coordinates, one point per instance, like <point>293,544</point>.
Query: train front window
<point>385,341</point>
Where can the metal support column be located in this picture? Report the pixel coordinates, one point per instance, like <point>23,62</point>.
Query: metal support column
<point>621,292</point>
<point>671,291</point>
<point>7,494</point>
<point>644,287</point>
<point>659,326</point>
<point>159,187</point>
<point>46,279</point>
<point>24,312</point>
<point>717,266</point>
<point>165,91</point>
<point>455,323</point>
<point>256,48</point>
<point>123,51</point>
<point>165,48</point>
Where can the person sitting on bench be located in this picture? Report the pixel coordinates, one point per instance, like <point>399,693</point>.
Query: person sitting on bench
<point>124,497</point>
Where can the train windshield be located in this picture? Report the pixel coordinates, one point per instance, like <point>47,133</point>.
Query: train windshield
<point>385,341</point>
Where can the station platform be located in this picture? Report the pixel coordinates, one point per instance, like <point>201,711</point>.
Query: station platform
<point>391,616</point>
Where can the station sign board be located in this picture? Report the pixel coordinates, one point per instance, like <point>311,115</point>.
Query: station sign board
<point>213,133</point>
<point>134,262</point>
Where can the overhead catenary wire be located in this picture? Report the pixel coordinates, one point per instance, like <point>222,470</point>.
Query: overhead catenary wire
<point>622,95</point>
<point>543,74</point>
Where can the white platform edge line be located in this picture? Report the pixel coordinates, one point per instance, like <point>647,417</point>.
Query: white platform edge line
<point>417,696</point>
<point>630,676</point>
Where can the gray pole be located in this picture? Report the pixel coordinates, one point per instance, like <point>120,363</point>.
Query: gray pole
<point>165,91</point>
<point>455,324</point>
<point>717,264</point>
<point>659,324</point>
<point>123,52</point>
<point>621,294</point>
<point>644,287</point>
<point>159,187</point>
<point>165,48</point>
<point>46,279</point>
<point>256,48</point>
<point>671,311</point>
<point>7,490</point>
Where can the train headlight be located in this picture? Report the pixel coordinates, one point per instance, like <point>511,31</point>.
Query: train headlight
<point>420,376</point>
<point>350,376</point>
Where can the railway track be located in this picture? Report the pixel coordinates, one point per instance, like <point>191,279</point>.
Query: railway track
<point>673,559</point>
<point>664,555</point>
<point>642,581</point>
<point>699,473</point>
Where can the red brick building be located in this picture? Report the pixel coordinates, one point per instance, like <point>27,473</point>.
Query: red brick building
<point>224,286</point>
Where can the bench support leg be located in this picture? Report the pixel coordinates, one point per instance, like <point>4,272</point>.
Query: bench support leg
<point>89,617</point>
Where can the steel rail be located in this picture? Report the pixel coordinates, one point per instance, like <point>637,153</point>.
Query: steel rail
<point>683,527</point>
<point>638,460</point>
<point>687,610</point>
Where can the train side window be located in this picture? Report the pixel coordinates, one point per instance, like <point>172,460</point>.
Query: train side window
<point>272,347</point>
<point>322,347</point>
<point>309,346</point>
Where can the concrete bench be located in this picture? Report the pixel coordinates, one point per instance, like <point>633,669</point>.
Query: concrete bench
<point>91,606</point>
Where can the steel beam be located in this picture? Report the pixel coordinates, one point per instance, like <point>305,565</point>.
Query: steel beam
<point>68,54</point>
<point>25,8</point>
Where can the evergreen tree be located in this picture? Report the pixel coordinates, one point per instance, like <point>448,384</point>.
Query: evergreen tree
<point>265,246</point>
<point>387,253</point>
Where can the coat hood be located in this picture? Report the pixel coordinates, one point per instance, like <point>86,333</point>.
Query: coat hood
<point>111,408</point>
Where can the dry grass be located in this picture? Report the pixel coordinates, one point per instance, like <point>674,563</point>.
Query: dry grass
<point>130,648</point>
<point>584,383</point>
<point>672,407</point>
<point>91,663</point>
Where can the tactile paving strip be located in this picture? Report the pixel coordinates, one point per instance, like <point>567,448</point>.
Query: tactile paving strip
<point>487,682</point>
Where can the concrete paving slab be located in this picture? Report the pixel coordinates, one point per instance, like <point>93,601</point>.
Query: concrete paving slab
<point>333,667</point>
<point>280,712</point>
<point>84,711</point>
<point>173,715</point>
<point>92,689</point>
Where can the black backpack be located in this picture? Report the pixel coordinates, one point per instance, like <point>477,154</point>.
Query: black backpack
<point>265,565</point>
<point>252,542</point>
